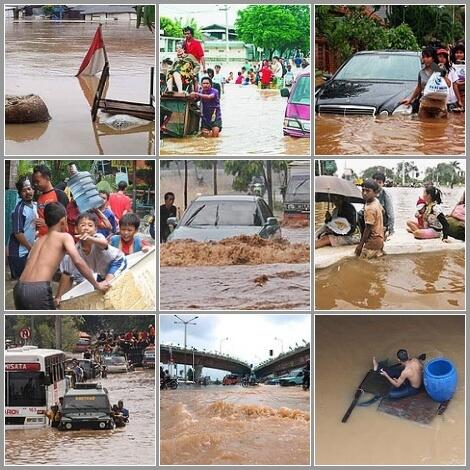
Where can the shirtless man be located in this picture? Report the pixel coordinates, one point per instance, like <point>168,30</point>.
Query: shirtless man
<point>408,380</point>
<point>33,291</point>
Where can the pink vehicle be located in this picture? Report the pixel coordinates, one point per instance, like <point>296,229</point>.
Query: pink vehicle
<point>297,116</point>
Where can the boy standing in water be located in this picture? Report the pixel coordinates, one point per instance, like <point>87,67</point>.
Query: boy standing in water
<point>211,117</point>
<point>33,291</point>
<point>372,239</point>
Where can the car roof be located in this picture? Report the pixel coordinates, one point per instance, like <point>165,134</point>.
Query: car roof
<point>389,51</point>
<point>228,197</point>
<point>87,391</point>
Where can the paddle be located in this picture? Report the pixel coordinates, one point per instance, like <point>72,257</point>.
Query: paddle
<point>360,391</point>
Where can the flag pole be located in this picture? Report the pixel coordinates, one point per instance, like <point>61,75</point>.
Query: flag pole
<point>104,49</point>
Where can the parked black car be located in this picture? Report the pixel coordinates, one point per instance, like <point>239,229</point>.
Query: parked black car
<point>370,83</point>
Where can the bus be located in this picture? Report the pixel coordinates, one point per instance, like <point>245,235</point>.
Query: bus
<point>34,381</point>
<point>297,196</point>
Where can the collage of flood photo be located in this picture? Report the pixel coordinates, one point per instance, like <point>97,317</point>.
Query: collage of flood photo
<point>390,247</point>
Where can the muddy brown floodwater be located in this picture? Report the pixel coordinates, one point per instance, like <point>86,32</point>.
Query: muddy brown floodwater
<point>252,122</point>
<point>358,135</point>
<point>216,425</point>
<point>133,443</point>
<point>237,273</point>
<point>43,57</point>
<point>418,282</point>
<point>344,348</point>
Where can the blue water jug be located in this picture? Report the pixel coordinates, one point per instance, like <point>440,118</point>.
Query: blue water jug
<point>84,191</point>
<point>440,379</point>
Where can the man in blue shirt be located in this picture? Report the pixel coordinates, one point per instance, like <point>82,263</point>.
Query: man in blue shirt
<point>23,228</point>
<point>123,410</point>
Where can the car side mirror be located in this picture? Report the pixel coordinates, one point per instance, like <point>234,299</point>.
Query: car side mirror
<point>272,221</point>
<point>172,221</point>
<point>327,76</point>
<point>285,92</point>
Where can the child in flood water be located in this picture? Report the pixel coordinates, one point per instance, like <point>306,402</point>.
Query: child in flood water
<point>434,220</point>
<point>34,291</point>
<point>128,241</point>
<point>372,239</point>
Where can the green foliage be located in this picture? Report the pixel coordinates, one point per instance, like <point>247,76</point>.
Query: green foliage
<point>402,37</point>
<point>146,16</point>
<point>325,167</point>
<point>174,27</point>
<point>430,23</point>
<point>244,170</point>
<point>58,168</point>
<point>375,169</point>
<point>275,27</point>
<point>445,174</point>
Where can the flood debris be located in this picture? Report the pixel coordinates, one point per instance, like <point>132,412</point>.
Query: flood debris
<point>243,249</point>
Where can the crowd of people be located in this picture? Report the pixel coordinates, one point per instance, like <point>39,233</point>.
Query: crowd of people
<point>50,234</point>
<point>182,78</point>
<point>372,226</point>
<point>110,342</point>
<point>449,64</point>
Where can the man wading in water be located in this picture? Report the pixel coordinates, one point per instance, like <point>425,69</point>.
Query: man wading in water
<point>406,377</point>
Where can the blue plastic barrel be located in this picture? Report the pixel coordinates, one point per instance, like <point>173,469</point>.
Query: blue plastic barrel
<point>440,379</point>
<point>84,191</point>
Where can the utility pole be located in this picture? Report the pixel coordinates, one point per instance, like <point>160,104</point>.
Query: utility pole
<point>185,323</point>
<point>269,176</point>
<point>282,343</point>
<point>185,184</point>
<point>214,167</point>
<point>221,341</point>
<point>58,331</point>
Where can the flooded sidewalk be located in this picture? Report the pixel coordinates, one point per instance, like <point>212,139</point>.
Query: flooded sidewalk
<point>357,135</point>
<point>252,121</point>
<point>43,57</point>
<point>266,425</point>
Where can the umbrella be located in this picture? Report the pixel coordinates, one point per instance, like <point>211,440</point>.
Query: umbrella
<point>327,186</point>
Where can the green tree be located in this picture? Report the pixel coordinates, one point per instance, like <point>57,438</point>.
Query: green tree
<point>325,167</point>
<point>369,172</point>
<point>170,27</point>
<point>402,37</point>
<point>270,27</point>
<point>190,374</point>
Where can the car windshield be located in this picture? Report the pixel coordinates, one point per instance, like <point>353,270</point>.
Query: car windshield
<point>381,67</point>
<point>221,213</point>
<point>301,92</point>
<point>89,402</point>
<point>298,189</point>
<point>115,360</point>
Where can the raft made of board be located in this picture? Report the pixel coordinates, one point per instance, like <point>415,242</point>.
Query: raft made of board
<point>185,115</point>
<point>400,243</point>
<point>134,289</point>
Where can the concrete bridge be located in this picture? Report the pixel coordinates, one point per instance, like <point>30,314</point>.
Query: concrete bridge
<point>284,363</point>
<point>202,359</point>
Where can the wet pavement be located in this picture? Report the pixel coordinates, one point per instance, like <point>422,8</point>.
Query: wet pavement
<point>42,58</point>
<point>232,425</point>
<point>394,135</point>
<point>120,446</point>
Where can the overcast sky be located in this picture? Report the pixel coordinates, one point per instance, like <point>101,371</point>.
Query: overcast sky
<point>359,165</point>
<point>204,15</point>
<point>251,336</point>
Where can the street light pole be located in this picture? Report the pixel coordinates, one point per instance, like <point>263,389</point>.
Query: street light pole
<point>185,323</point>
<point>220,347</point>
<point>282,343</point>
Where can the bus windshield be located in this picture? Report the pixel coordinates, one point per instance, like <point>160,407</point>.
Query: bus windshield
<point>298,189</point>
<point>80,402</point>
<point>25,389</point>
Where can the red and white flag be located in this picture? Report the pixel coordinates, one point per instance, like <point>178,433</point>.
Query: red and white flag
<point>95,57</point>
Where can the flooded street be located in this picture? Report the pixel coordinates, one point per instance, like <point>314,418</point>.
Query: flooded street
<point>94,447</point>
<point>252,122</point>
<point>43,57</point>
<point>216,425</point>
<point>357,135</point>
<point>343,354</point>
<point>238,273</point>
<point>420,282</point>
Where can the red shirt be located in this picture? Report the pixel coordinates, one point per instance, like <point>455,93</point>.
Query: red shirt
<point>194,47</point>
<point>119,203</point>
<point>239,80</point>
<point>267,74</point>
<point>54,195</point>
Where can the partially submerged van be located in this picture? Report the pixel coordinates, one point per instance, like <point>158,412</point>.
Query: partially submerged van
<point>297,115</point>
